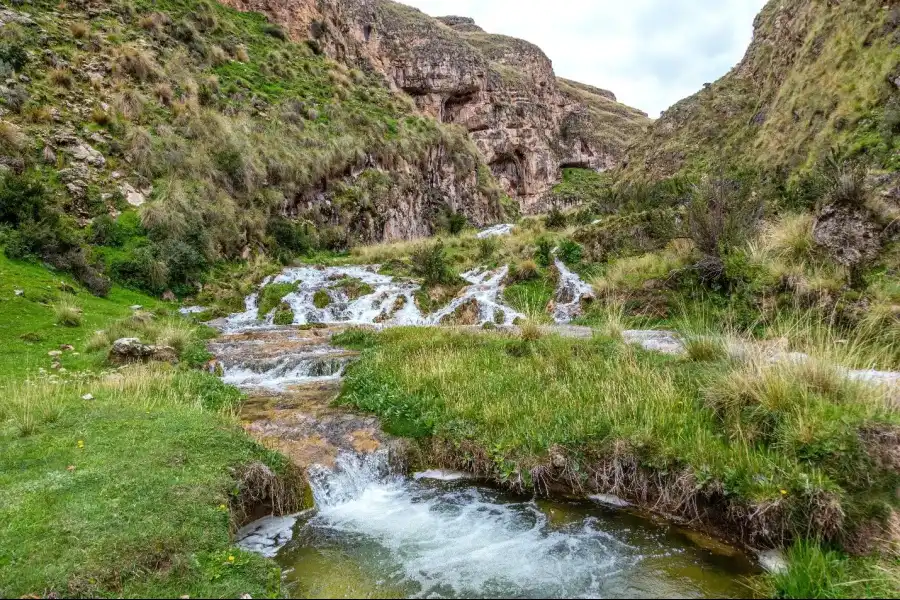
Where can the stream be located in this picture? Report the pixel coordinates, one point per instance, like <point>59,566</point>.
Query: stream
<point>375,534</point>
<point>378,532</point>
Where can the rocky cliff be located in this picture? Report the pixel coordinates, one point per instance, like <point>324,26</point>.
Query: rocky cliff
<point>525,122</point>
<point>817,74</point>
<point>149,141</point>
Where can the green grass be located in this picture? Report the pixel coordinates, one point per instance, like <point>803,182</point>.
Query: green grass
<point>272,295</point>
<point>31,317</point>
<point>130,493</point>
<point>121,495</point>
<point>321,299</point>
<point>516,400</point>
<point>354,288</point>
<point>817,572</point>
<point>580,186</point>
<point>531,297</point>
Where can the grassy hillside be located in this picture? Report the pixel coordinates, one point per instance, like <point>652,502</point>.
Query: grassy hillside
<point>239,141</point>
<point>817,75</point>
<point>609,123</point>
<point>126,482</point>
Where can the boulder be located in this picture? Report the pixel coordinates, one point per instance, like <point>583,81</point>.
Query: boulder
<point>849,234</point>
<point>85,153</point>
<point>134,196</point>
<point>132,350</point>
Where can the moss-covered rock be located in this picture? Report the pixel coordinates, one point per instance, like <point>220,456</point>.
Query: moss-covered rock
<point>321,299</point>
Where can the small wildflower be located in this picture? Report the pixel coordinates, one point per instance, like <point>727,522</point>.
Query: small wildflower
<point>231,558</point>
<point>87,397</point>
<point>223,508</point>
<point>81,443</point>
<point>784,492</point>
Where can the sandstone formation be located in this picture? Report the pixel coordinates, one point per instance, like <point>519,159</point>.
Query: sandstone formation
<point>526,123</point>
<point>816,75</point>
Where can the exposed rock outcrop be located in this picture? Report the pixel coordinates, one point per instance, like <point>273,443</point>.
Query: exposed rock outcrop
<point>817,74</point>
<point>849,234</point>
<point>502,90</point>
<point>132,350</point>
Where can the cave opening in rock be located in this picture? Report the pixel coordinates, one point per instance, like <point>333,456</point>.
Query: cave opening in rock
<point>510,171</point>
<point>575,164</point>
<point>454,105</point>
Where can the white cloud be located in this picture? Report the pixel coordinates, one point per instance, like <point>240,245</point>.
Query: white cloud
<point>650,53</point>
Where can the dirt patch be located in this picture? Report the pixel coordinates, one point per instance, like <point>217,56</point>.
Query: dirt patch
<point>364,441</point>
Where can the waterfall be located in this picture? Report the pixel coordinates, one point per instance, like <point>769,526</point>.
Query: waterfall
<point>570,293</point>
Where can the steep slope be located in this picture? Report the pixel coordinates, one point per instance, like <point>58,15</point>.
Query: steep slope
<point>226,138</point>
<point>817,74</point>
<point>525,123</point>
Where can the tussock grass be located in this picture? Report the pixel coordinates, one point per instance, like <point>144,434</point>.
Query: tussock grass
<point>705,349</point>
<point>62,78</point>
<point>67,313</point>
<point>29,406</point>
<point>815,571</point>
<point>12,139</point>
<point>632,273</point>
<point>180,334</point>
<point>777,440</point>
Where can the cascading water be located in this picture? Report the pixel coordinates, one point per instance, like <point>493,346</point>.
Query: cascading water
<point>570,293</point>
<point>390,301</point>
<point>496,231</point>
<point>379,534</point>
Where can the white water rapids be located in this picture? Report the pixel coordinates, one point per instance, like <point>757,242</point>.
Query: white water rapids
<point>392,300</point>
<point>431,539</point>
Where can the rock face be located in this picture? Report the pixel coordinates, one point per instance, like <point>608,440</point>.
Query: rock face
<point>525,122</point>
<point>813,77</point>
<point>848,234</point>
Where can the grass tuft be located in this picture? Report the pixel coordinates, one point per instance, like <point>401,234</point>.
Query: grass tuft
<point>67,313</point>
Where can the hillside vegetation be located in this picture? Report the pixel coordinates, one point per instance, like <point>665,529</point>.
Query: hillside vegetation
<point>817,75</point>
<point>232,140</point>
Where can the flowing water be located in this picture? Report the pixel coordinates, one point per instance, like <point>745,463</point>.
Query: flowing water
<point>375,534</point>
<point>571,292</point>
<point>378,533</point>
<point>389,301</point>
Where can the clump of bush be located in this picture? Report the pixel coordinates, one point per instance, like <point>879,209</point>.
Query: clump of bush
<point>543,251</point>
<point>284,315</point>
<point>321,299</point>
<point>570,252</point>
<point>487,247</point>
<point>40,229</point>
<point>430,263</point>
<point>722,215</point>
<point>525,270</point>
<point>556,219</point>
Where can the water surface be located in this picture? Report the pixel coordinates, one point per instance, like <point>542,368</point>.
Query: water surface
<point>377,535</point>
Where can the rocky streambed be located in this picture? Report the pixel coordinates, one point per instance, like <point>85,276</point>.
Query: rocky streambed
<point>377,530</point>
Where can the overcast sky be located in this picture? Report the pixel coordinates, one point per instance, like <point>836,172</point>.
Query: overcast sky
<point>650,53</point>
